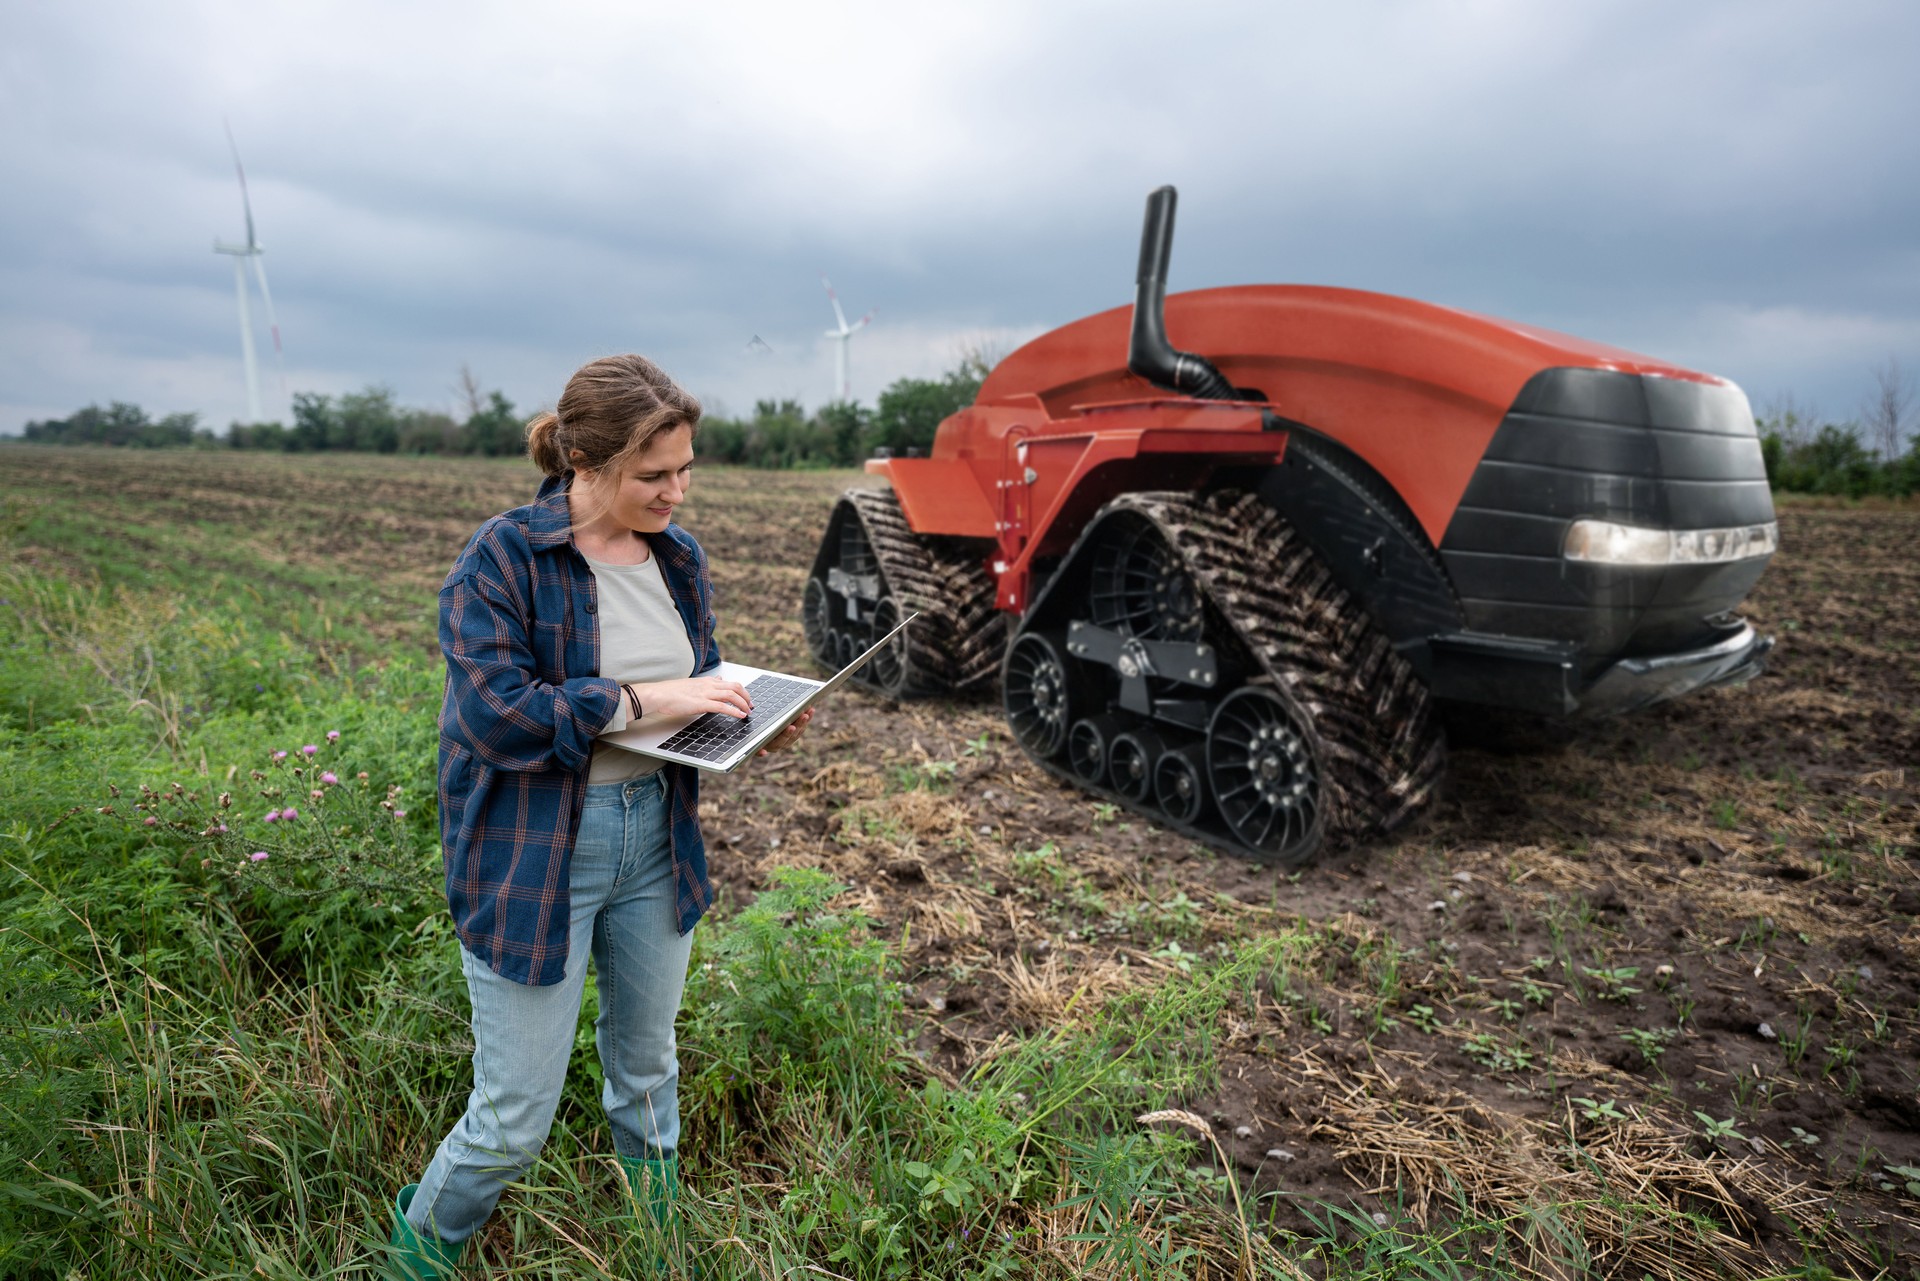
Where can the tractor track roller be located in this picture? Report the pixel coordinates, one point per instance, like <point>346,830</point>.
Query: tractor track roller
<point>1131,759</point>
<point>1088,742</point>
<point>1260,768</point>
<point>1179,783</point>
<point>1034,690</point>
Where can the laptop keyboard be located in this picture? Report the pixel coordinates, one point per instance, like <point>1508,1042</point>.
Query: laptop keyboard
<point>714,737</point>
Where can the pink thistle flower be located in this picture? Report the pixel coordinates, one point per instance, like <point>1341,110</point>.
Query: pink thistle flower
<point>220,827</point>
<point>399,813</point>
<point>333,736</point>
<point>151,821</point>
<point>308,750</point>
<point>316,793</point>
<point>280,756</point>
<point>289,813</point>
<point>258,856</point>
<point>273,816</point>
<point>328,777</point>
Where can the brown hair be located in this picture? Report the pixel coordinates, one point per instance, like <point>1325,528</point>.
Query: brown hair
<point>611,410</point>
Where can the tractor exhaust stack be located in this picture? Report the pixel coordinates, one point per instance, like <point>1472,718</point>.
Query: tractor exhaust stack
<point>1149,354</point>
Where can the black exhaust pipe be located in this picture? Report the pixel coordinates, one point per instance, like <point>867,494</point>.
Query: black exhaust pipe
<point>1149,354</point>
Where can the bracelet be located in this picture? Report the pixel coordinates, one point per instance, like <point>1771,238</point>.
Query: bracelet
<point>633,702</point>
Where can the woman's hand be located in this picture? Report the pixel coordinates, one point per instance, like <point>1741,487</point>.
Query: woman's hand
<point>692,696</point>
<point>790,735</point>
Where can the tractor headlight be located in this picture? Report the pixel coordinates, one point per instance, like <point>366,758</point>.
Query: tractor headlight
<point>1602,542</point>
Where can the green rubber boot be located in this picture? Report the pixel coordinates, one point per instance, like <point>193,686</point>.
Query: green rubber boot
<point>654,1186</point>
<point>414,1257</point>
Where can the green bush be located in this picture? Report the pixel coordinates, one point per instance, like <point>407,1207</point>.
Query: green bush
<point>1833,461</point>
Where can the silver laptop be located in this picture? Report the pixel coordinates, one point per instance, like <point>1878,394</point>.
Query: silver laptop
<point>712,741</point>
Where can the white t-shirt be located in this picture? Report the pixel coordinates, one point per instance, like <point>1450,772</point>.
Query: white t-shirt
<point>642,638</point>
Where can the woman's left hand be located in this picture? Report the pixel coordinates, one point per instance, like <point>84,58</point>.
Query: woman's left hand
<point>790,735</point>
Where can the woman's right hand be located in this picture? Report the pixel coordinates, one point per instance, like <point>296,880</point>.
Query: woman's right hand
<point>692,696</point>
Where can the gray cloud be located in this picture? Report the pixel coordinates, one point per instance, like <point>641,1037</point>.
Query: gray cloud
<point>1728,185</point>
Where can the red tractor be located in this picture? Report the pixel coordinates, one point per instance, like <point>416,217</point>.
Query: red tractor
<point>1225,591</point>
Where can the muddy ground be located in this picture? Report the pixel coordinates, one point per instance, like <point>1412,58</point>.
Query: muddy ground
<point>1666,963</point>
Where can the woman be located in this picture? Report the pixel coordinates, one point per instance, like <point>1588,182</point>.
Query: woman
<point>561,621</point>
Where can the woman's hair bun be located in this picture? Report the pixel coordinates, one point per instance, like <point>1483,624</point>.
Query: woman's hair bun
<point>543,443</point>
<point>614,406</point>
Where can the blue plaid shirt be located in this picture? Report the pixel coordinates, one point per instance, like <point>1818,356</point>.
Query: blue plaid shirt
<point>521,632</point>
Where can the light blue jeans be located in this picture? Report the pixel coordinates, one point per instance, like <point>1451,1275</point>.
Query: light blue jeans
<point>622,890</point>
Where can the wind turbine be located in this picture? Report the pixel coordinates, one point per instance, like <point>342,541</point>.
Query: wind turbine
<point>241,255</point>
<point>842,390</point>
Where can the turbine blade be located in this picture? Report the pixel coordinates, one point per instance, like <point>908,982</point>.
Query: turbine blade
<point>260,273</point>
<point>245,202</point>
<point>834,298</point>
<point>861,323</point>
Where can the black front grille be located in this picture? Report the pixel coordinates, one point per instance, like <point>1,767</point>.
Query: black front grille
<point>1657,452</point>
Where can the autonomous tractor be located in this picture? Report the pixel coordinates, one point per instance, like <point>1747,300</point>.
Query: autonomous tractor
<point>1230,585</point>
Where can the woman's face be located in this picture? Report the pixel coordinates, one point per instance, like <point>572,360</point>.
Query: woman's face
<point>648,486</point>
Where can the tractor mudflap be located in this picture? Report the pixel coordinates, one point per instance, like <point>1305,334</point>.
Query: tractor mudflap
<point>1193,659</point>
<point>871,571</point>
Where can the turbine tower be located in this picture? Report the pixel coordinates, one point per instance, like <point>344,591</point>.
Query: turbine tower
<point>842,390</point>
<point>242,255</point>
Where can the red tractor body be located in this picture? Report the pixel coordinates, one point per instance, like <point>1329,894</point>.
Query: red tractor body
<point>1416,390</point>
<point>1223,589</point>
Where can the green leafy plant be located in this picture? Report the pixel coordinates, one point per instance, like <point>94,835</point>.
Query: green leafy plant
<point>931,776</point>
<point>1651,1042</point>
<point>1901,1178</point>
<point>946,1182</point>
<point>1795,1041</point>
<point>1612,984</point>
<point>1593,1110</point>
<point>1718,1131</point>
<point>1493,1053</point>
<point>1042,863</point>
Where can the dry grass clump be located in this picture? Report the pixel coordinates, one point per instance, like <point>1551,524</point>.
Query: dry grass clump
<point>1054,993</point>
<point>1632,1197</point>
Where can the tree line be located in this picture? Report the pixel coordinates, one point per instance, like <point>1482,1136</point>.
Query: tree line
<point>1875,453</point>
<point>778,434</point>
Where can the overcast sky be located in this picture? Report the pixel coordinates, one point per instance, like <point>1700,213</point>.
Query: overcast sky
<point>1730,186</point>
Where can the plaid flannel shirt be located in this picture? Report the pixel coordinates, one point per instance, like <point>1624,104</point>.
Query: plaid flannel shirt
<point>520,628</point>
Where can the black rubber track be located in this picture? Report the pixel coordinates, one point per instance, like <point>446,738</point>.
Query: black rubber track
<point>956,644</point>
<point>1382,748</point>
<point>1378,744</point>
